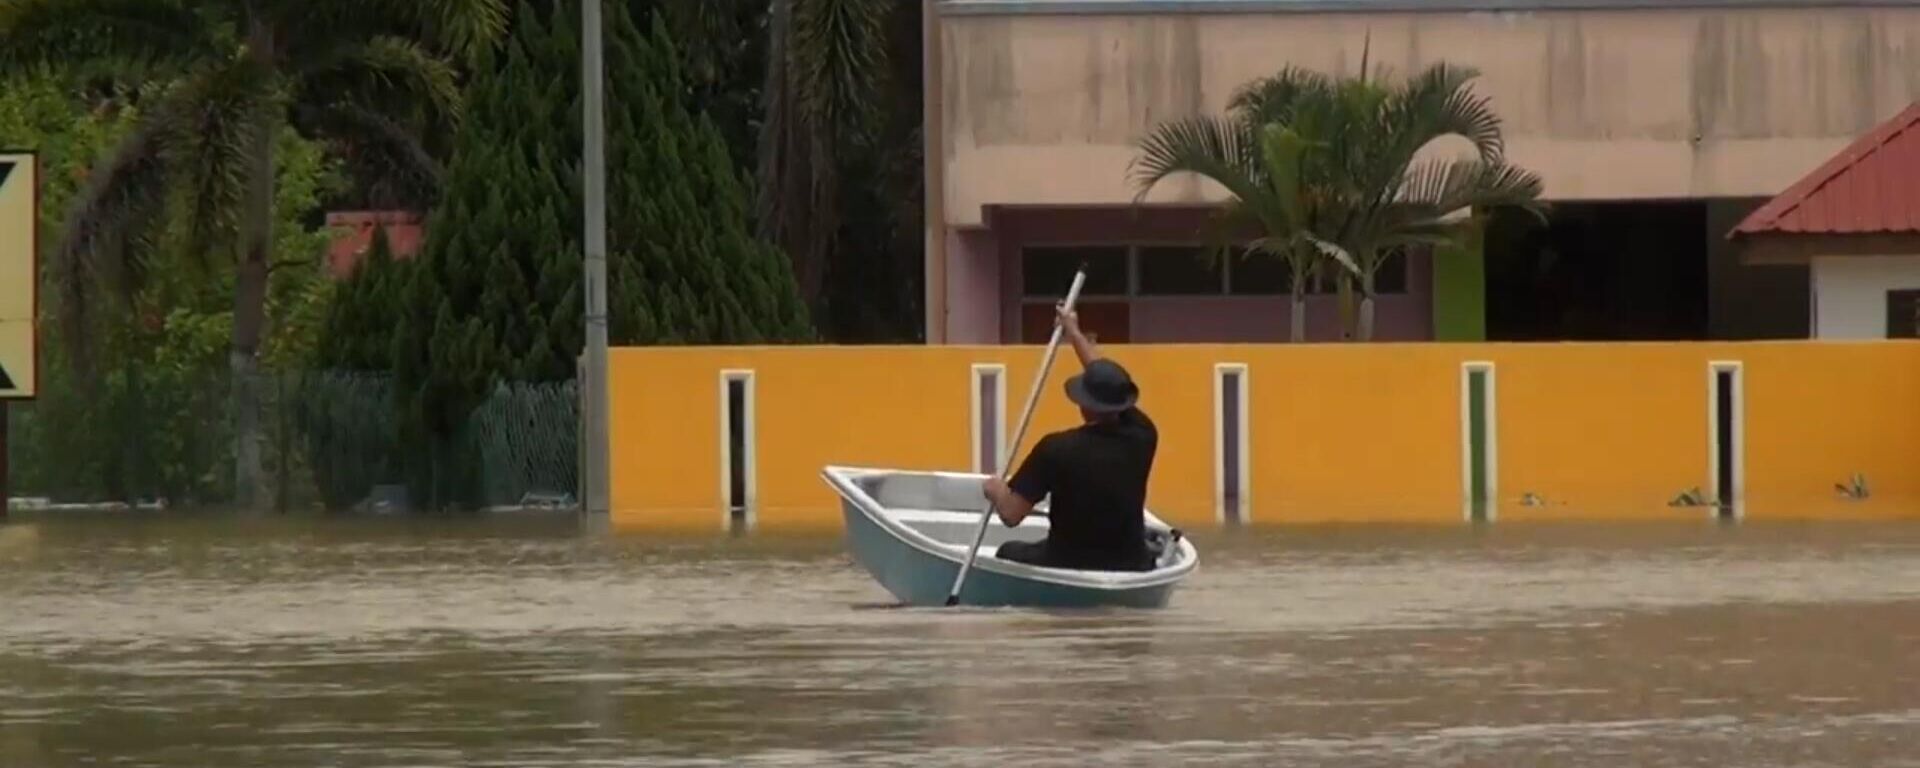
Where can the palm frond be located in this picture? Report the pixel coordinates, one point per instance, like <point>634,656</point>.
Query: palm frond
<point>1430,234</point>
<point>109,232</point>
<point>836,48</point>
<point>1278,97</point>
<point>213,117</point>
<point>1226,229</point>
<point>1277,246</point>
<point>101,35</point>
<point>464,28</point>
<point>1282,152</point>
<point>1335,252</point>
<point>386,153</point>
<point>1216,148</point>
<point>1440,102</point>
<point>1437,188</point>
<point>1334,174</point>
<point>391,75</point>
<point>715,35</point>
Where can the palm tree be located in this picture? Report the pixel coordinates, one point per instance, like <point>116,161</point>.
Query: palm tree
<point>1364,193</point>
<point>1261,166</point>
<point>370,75</point>
<point>826,67</point>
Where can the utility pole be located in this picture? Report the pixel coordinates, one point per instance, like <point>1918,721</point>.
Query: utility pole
<point>4,469</point>
<point>593,386</point>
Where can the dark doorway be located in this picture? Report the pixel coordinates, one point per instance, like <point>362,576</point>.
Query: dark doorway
<point>1632,271</point>
<point>1903,314</point>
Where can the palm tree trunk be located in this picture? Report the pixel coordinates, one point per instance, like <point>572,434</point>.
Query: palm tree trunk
<point>249,320</point>
<point>795,206</point>
<point>1297,324</point>
<point>1366,307</point>
<point>1297,302</point>
<point>1348,329</point>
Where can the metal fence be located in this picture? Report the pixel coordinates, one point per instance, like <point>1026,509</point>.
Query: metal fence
<point>328,440</point>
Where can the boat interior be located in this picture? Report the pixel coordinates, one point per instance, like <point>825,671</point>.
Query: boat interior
<point>946,507</point>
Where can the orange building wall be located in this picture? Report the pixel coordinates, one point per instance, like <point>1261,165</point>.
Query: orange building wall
<point>1608,431</point>
<point>1337,433</point>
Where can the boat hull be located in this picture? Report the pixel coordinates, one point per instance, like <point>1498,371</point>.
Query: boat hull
<point>919,570</point>
<point>924,578</point>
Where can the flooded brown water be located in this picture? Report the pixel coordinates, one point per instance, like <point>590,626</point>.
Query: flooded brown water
<point>198,643</point>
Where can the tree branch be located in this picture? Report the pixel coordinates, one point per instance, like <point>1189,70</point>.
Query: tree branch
<point>277,265</point>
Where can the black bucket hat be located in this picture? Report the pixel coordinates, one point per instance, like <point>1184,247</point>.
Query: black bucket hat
<point>1104,387</point>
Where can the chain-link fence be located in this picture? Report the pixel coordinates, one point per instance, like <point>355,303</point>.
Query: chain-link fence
<point>328,439</point>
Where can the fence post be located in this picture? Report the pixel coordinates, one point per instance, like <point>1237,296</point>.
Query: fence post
<point>280,408</point>
<point>580,431</point>
<point>6,493</point>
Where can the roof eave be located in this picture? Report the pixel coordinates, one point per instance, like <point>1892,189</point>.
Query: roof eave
<point>1767,218</point>
<point>1775,247</point>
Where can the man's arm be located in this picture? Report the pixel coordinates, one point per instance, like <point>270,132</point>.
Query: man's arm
<point>1014,500</point>
<point>1007,503</point>
<point>1070,326</point>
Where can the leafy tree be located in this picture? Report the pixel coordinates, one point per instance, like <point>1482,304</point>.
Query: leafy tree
<point>144,424</point>
<point>369,74</point>
<point>496,296</point>
<point>357,332</point>
<point>723,53</point>
<point>1328,171</point>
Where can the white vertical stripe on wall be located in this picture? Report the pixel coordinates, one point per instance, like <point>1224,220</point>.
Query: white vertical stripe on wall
<point>725,425</point>
<point>997,374</point>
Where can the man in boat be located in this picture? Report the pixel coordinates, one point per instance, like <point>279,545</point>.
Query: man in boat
<point>1096,473</point>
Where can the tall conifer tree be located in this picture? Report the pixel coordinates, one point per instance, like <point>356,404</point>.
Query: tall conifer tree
<point>496,294</point>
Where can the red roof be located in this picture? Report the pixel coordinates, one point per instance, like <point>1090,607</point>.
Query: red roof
<point>353,235</point>
<point>1873,186</point>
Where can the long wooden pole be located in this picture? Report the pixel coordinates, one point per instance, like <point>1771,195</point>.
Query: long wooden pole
<point>1020,435</point>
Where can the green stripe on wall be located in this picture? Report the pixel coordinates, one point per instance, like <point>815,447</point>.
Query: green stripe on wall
<point>1477,441</point>
<point>1460,288</point>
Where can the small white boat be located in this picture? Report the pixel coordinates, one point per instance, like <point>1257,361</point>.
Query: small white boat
<point>912,530</point>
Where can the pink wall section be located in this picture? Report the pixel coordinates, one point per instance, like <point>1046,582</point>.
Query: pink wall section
<point>1399,317</point>
<point>973,287</point>
<point>984,285</point>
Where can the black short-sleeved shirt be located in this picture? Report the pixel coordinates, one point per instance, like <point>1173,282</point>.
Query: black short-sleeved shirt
<point>1097,476</point>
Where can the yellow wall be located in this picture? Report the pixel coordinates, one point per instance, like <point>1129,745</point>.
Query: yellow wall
<point>1600,431</point>
<point>1819,413</point>
<point>1338,433</point>
<point>1344,432</point>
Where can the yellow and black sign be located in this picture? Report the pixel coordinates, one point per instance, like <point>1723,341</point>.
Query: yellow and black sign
<point>19,275</point>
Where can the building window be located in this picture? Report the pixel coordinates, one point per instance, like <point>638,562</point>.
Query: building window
<point>1047,272</point>
<point>1115,271</point>
<point>1264,275</point>
<point>1391,276</point>
<point>1180,271</point>
<point>1903,314</point>
<point>1257,274</point>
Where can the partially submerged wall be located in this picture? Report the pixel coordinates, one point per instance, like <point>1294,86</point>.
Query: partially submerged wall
<point>1322,433</point>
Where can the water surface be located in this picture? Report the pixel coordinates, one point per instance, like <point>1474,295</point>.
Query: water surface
<point>180,642</point>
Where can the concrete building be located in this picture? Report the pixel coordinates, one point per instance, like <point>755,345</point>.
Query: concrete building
<point>1854,223</point>
<point>1657,126</point>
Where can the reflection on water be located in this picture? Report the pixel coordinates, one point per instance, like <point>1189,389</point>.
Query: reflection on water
<point>182,642</point>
